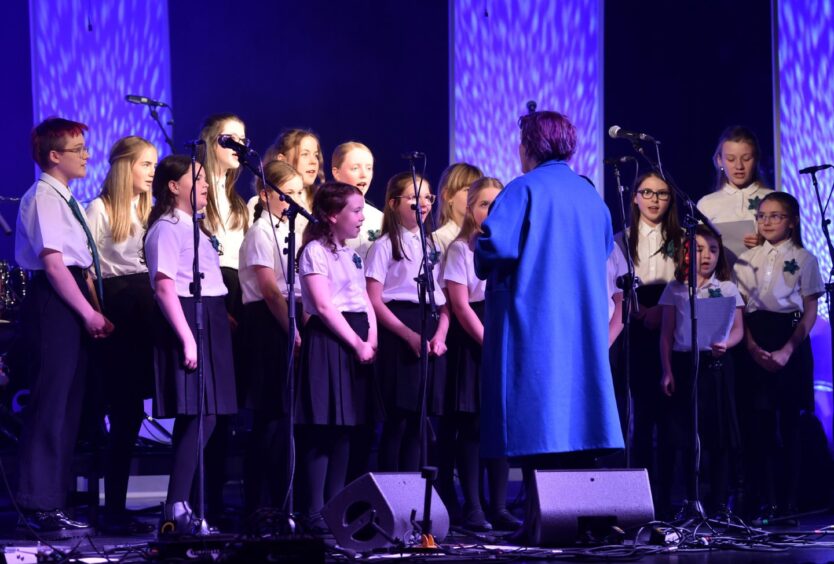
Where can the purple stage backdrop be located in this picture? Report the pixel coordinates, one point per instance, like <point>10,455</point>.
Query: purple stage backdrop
<point>507,52</point>
<point>804,133</point>
<point>86,56</point>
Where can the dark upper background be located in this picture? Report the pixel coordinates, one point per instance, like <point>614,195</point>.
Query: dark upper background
<point>378,72</point>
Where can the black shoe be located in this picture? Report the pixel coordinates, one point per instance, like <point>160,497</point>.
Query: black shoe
<point>51,525</point>
<point>124,526</point>
<point>178,519</point>
<point>314,524</point>
<point>474,520</point>
<point>503,520</point>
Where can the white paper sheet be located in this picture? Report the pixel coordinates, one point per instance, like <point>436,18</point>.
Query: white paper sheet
<point>715,319</point>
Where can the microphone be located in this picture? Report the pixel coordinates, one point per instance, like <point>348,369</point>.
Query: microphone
<point>227,142</point>
<point>145,101</point>
<point>531,107</point>
<point>617,132</point>
<point>814,169</point>
<point>619,160</point>
<point>413,155</point>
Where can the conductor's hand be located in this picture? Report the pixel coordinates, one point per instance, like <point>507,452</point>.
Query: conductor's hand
<point>667,384</point>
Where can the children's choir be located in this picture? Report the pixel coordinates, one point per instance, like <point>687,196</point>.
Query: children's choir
<point>122,272</point>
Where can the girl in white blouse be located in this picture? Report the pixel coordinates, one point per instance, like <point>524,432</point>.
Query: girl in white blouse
<point>453,186</point>
<point>394,263</point>
<point>169,252</point>
<point>781,283</point>
<point>118,219</point>
<point>460,434</point>
<point>263,270</point>
<point>336,389</point>
<point>739,185</point>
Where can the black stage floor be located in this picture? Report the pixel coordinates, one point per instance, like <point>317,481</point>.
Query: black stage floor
<point>808,541</point>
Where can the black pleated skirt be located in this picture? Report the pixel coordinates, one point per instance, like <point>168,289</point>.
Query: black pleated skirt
<point>793,386</point>
<point>177,390</point>
<point>333,387</point>
<point>265,360</point>
<point>463,367</point>
<point>399,368</point>
<point>717,419</point>
<point>127,355</point>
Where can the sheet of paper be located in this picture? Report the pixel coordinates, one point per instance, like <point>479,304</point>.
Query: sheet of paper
<point>715,319</point>
<point>732,233</point>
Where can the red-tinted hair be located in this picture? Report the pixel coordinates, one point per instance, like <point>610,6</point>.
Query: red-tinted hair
<point>50,135</point>
<point>547,136</point>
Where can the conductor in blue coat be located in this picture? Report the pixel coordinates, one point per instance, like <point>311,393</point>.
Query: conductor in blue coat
<point>547,392</point>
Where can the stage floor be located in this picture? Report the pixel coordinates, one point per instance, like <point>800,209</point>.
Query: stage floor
<point>819,547</point>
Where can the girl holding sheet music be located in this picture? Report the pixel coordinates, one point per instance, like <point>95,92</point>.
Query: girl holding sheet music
<point>739,186</point>
<point>716,409</point>
<point>781,283</point>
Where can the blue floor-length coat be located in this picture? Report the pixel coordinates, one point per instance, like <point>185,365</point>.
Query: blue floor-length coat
<point>546,379</point>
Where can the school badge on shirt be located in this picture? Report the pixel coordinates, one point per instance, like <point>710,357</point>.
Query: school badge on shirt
<point>790,266</point>
<point>715,292</point>
<point>215,243</point>
<point>357,260</point>
<point>753,203</point>
<point>374,234</point>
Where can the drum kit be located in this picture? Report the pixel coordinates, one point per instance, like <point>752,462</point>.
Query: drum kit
<point>13,285</point>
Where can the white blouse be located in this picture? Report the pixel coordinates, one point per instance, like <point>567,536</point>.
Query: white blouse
<point>344,271</point>
<point>459,266</point>
<point>444,236</point>
<point>733,204</point>
<point>398,276</point>
<point>169,249</point>
<point>45,221</point>
<point>230,239</point>
<point>117,259</point>
<point>777,278</point>
<point>259,249</point>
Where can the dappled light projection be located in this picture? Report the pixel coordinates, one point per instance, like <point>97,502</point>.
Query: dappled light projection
<point>508,52</point>
<point>86,56</point>
<point>806,137</point>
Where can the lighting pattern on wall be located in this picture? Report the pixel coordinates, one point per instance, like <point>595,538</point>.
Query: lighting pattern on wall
<point>507,52</point>
<point>86,56</point>
<point>806,137</point>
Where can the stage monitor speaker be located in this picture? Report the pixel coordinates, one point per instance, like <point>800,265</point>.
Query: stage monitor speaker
<point>382,502</point>
<point>571,505</point>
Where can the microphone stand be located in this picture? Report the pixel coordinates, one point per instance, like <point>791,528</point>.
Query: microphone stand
<point>155,115</point>
<point>196,287</point>
<point>425,293</point>
<point>291,213</point>
<point>693,510</point>
<point>629,284</point>
<point>829,286</point>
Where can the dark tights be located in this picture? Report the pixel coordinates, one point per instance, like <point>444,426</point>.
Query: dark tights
<point>460,445</point>
<point>126,418</point>
<point>322,464</point>
<point>267,463</point>
<point>185,453</point>
<point>778,439</point>
<point>399,446</point>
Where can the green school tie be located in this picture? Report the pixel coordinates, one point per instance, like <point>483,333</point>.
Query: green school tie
<point>76,211</point>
